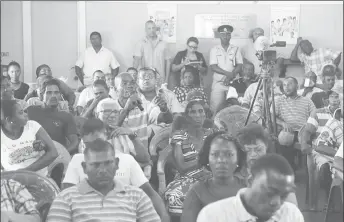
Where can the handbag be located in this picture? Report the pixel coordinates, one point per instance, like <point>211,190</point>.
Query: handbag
<point>325,150</point>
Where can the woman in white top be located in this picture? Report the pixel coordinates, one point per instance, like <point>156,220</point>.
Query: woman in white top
<point>24,143</point>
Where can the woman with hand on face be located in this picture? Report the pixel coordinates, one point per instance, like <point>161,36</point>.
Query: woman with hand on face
<point>20,88</point>
<point>189,82</point>
<point>222,155</point>
<point>189,57</point>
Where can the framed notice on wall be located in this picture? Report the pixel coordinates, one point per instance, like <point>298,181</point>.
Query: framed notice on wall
<point>284,23</point>
<point>206,24</point>
<point>165,17</point>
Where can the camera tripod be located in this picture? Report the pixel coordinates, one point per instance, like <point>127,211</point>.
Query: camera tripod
<point>265,81</point>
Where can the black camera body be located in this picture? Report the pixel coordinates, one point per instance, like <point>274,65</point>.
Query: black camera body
<point>267,56</point>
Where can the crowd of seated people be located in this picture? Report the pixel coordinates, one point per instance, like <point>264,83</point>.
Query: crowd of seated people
<point>107,126</point>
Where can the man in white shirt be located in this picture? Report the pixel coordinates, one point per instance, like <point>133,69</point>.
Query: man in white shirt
<point>264,199</point>
<point>129,171</point>
<point>225,61</point>
<point>95,58</point>
<point>87,94</point>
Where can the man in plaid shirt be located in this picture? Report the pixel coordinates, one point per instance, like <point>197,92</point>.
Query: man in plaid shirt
<point>17,204</point>
<point>314,59</point>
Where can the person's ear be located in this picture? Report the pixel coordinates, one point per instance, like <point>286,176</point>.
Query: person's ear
<point>116,162</point>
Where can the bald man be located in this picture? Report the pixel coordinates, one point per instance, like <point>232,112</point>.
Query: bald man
<point>152,51</point>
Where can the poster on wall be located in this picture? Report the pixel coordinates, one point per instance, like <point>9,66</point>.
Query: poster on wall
<point>284,23</point>
<point>206,24</point>
<point>165,17</point>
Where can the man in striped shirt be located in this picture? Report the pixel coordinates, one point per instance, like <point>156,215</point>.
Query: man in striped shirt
<point>101,197</point>
<point>292,112</point>
<point>131,116</point>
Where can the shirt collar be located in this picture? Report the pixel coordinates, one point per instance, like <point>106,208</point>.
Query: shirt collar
<point>84,187</point>
<point>102,48</point>
<point>243,215</point>
<point>288,98</point>
<point>147,40</point>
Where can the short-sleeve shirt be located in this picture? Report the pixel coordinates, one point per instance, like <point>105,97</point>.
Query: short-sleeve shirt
<point>59,125</point>
<point>129,171</point>
<point>317,59</point>
<point>92,61</point>
<point>153,54</point>
<point>82,203</point>
<point>20,153</point>
<point>86,95</point>
<point>21,92</point>
<point>16,198</point>
<point>294,112</point>
<point>232,209</point>
<point>226,60</point>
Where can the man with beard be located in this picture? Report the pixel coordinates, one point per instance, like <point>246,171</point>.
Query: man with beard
<point>101,197</point>
<point>60,125</point>
<point>263,200</point>
<point>292,112</point>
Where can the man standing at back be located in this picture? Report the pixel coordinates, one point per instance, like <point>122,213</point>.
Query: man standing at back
<point>152,51</point>
<point>96,57</point>
<point>225,61</point>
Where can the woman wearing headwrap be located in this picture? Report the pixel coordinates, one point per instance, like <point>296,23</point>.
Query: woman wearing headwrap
<point>188,133</point>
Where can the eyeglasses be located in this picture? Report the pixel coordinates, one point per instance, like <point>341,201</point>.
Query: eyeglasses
<point>147,76</point>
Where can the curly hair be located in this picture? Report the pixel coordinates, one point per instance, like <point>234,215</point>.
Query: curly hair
<point>250,133</point>
<point>203,155</point>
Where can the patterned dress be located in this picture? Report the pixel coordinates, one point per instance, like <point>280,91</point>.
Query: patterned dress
<point>176,191</point>
<point>182,93</point>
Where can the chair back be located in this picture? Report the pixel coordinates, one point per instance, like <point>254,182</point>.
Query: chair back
<point>63,157</point>
<point>233,118</point>
<point>165,155</point>
<point>160,141</point>
<point>41,188</point>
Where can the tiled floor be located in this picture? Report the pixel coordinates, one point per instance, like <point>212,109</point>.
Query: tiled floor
<point>312,216</point>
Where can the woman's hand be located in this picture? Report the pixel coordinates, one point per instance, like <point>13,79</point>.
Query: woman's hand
<point>186,62</point>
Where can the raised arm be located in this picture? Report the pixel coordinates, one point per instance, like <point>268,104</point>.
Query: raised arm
<point>294,57</point>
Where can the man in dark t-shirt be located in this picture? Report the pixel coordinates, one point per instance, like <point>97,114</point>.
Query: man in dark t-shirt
<point>60,125</point>
<point>320,99</point>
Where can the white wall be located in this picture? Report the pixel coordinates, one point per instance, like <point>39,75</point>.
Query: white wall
<point>54,35</point>
<point>12,32</point>
<point>55,31</point>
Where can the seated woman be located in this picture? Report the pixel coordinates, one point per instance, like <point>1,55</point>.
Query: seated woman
<point>19,146</point>
<point>123,139</point>
<point>35,101</point>
<point>20,88</point>
<point>255,142</point>
<point>188,133</point>
<point>66,92</point>
<point>17,203</point>
<point>189,82</point>
<point>7,92</point>
<point>222,155</point>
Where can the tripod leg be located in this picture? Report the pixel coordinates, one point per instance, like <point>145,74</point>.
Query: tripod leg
<point>253,101</point>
